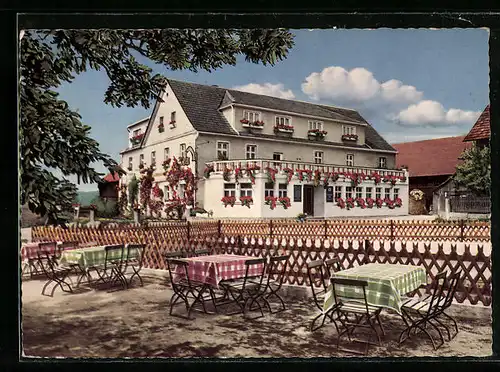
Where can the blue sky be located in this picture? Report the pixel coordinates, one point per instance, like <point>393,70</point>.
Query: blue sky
<point>409,84</point>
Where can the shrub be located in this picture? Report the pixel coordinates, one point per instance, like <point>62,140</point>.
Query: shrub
<point>106,208</point>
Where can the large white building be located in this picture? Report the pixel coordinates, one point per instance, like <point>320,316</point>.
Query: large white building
<point>224,131</point>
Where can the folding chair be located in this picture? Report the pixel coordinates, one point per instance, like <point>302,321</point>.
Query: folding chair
<point>55,274</point>
<point>68,245</point>
<point>186,289</point>
<point>111,270</point>
<point>424,311</point>
<point>319,294</point>
<point>247,290</point>
<point>354,302</point>
<point>333,266</point>
<point>134,259</point>
<point>454,280</point>
<point>276,267</point>
<point>42,259</point>
<point>202,252</point>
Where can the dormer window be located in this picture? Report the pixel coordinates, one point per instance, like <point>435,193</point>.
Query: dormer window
<point>283,120</point>
<point>136,132</point>
<point>315,124</point>
<point>251,116</point>
<point>348,130</point>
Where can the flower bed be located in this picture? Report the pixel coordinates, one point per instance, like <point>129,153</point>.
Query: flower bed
<point>316,133</point>
<point>284,128</point>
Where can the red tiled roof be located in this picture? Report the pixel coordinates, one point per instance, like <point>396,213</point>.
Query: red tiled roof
<point>112,178</point>
<point>433,157</point>
<point>480,130</point>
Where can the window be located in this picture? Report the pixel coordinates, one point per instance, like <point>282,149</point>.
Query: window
<point>277,156</point>
<point>283,120</point>
<point>382,162</point>
<point>314,124</point>
<point>182,188</point>
<point>282,190</point>
<point>166,192</point>
<point>349,160</point>
<point>348,129</point>
<point>222,150</point>
<point>387,193</point>
<point>251,151</point>
<point>136,132</point>
<point>166,153</point>
<point>359,192</point>
<point>229,189</point>
<point>268,189</point>
<point>251,116</point>
<point>395,193</point>
<point>172,117</point>
<point>182,150</point>
<point>141,159</point>
<point>245,189</point>
<point>348,192</point>
<point>318,157</point>
<point>297,193</point>
<point>378,192</point>
<point>338,192</point>
<point>130,163</point>
<point>161,120</point>
<point>368,192</point>
<point>153,157</point>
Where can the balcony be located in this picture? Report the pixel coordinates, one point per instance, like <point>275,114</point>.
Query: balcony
<point>220,165</point>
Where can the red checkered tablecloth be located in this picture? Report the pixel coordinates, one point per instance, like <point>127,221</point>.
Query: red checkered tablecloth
<point>29,251</point>
<point>212,269</point>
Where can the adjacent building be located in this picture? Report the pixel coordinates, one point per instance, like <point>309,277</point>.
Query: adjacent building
<point>262,156</point>
<point>430,163</point>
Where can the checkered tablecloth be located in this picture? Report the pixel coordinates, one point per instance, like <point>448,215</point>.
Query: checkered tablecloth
<point>29,251</point>
<point>386,284</point>
<point>212,269</point>
<point>93,256</point>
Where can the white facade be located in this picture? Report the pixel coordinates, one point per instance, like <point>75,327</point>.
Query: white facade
<point>322,208</point>
<point>177,134</point>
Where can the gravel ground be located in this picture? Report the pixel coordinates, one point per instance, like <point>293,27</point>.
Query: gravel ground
<point>135,323</point>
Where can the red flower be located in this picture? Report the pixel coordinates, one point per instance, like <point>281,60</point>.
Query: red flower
<point>285,202</point>
<point>370,202</point>
<point>289,173</point>
<point>340,203</point>
<point>246,200</point>
<point>379,202</point>
<point>228,200</point>
<point>271,201</point>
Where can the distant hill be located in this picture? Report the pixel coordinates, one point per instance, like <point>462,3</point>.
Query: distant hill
<point>85,197</point>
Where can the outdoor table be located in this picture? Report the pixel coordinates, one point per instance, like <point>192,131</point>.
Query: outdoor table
<point>29,254</point>
<point>87,258</point>
<point>386,283</point>
<point>214,268</point>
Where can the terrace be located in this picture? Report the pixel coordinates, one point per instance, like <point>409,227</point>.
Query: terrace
<point>93,324</point>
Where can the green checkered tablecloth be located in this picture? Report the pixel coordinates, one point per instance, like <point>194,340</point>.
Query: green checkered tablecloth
<point>93,256</point>
<point>386,284</point>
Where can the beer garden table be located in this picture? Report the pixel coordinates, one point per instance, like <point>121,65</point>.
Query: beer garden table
<point>386,283</point>
<point>87,258</point>
<point>214,268</point>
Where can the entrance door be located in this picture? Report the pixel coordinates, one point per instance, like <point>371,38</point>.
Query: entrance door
<point>308,205</point>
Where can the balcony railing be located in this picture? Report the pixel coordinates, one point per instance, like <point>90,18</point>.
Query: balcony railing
<point>220,165</point>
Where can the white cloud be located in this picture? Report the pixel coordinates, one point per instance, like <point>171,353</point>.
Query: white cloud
<point>268,89</point>
<point>432,113</point>
<point>357,86</point>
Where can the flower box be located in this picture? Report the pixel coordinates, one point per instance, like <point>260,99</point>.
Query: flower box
<point>255,124</point>
<point>316,133</point>
<point>350,137</point>
<point>228,200</point>
<point>246,201</point>
<point>283,128</point>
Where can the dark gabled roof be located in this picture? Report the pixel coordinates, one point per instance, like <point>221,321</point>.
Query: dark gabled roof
<point>434,157</point>
<point>201,104</point>
<point>282,104</point>
<point>481,129</point>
